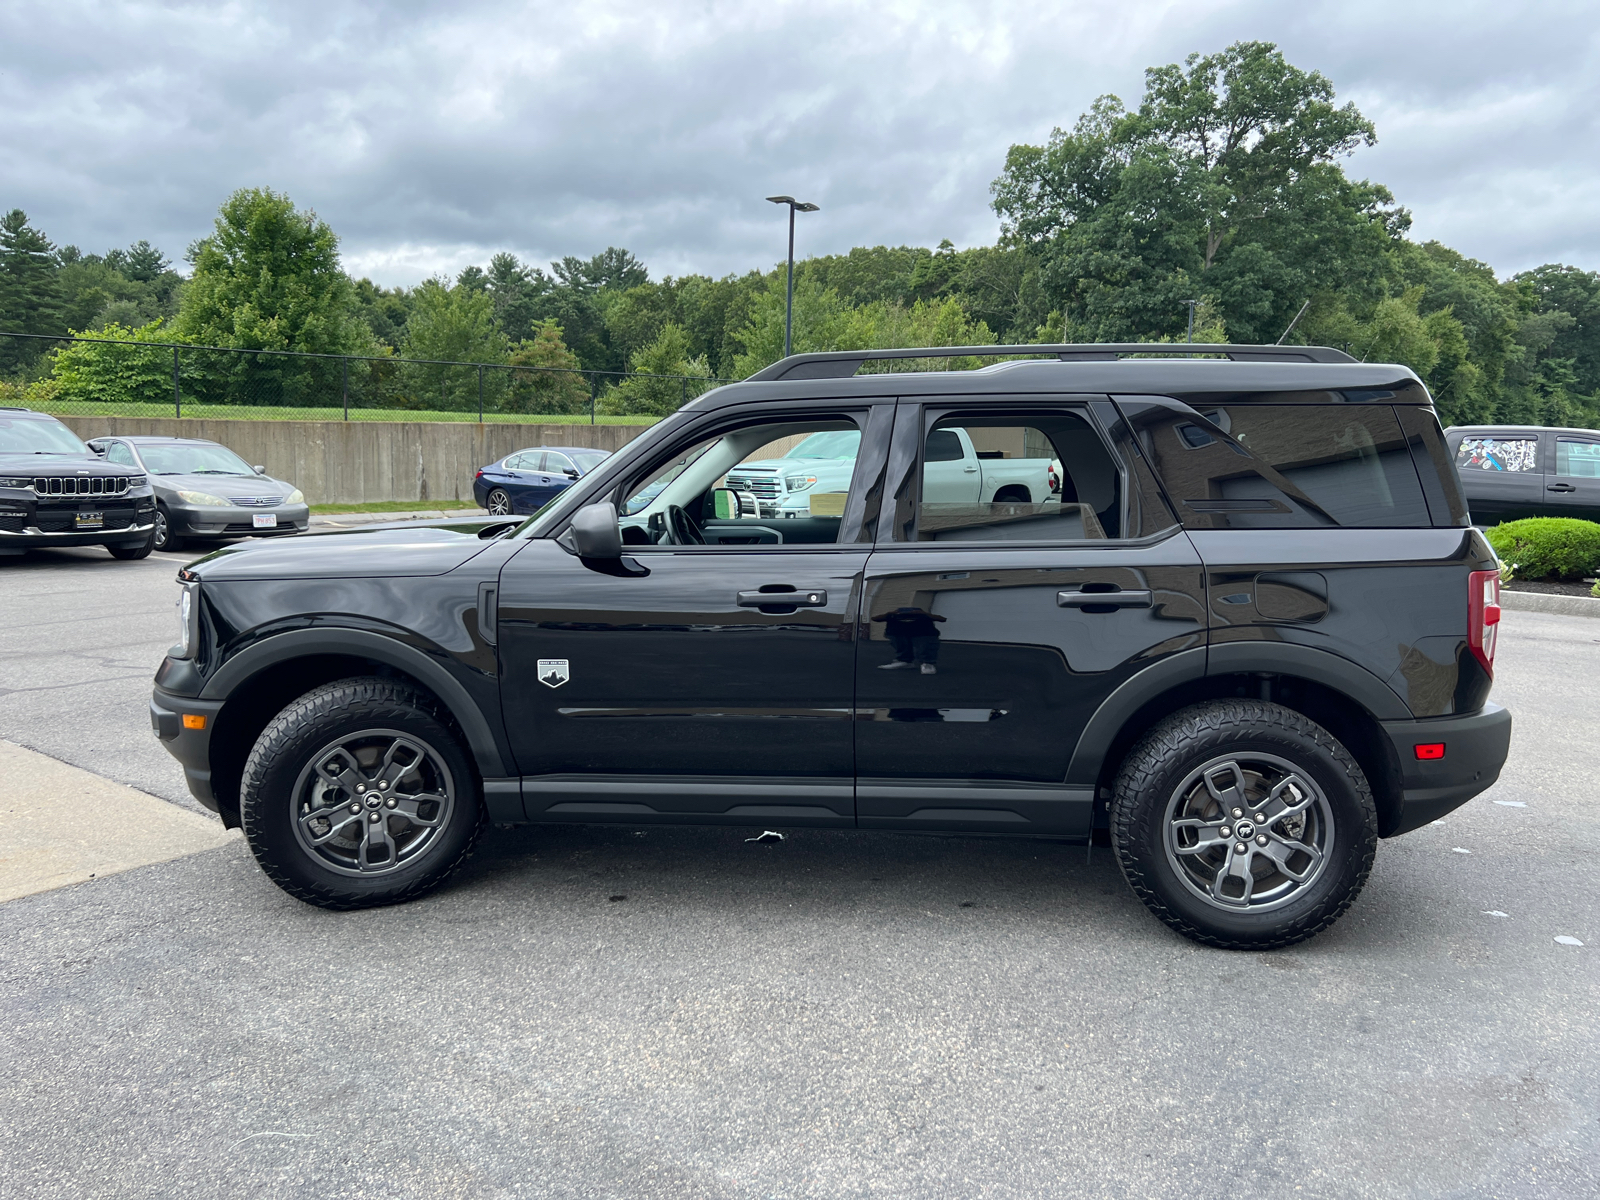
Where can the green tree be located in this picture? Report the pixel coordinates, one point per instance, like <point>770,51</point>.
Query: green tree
<point>30,293</point>
<point>268,278</point>
<point>90,371</point>
<point>554,388</point>
<point>455,325</point>
<point>668,377</point>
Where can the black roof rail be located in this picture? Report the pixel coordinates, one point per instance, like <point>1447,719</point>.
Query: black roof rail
<point>839,364</point>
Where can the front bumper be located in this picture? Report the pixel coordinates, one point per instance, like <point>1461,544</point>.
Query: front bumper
<point>191,747</point>
<point>31,537</point>
<point>235,521</point>
<point>1476,746</point>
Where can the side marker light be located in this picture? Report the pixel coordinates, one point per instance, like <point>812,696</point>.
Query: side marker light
<point>193,721</point>
<point>1426,750</point>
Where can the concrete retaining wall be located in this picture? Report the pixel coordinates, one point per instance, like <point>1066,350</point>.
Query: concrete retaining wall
<point>361,461</point>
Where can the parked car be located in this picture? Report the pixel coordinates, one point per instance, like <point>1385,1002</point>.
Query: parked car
<point>1259,637</point>
<point>201,487</point>
<point>1512,471</point>
<point>55,492</point>
<point>527,480</point>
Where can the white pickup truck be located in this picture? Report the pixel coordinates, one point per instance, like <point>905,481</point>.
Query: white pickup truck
<point>954,472</point>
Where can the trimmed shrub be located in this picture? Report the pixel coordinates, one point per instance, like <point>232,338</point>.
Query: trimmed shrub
<point>1548,547</point>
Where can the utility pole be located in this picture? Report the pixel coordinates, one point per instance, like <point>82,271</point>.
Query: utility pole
<point>1191,304</point>
<point>788,309</point>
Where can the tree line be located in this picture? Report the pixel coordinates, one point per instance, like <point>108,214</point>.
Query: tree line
<point>1221,193</point>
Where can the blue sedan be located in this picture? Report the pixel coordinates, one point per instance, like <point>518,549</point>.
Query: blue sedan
<point>527,480</point>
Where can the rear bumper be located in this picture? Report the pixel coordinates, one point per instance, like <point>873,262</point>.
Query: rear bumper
<point>1475,749</point>
<point>191,747</point>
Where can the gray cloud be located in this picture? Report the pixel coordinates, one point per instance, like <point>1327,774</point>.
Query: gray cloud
<point>430,138</point>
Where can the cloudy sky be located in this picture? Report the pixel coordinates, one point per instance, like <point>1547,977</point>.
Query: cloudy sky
<point>431,135</point>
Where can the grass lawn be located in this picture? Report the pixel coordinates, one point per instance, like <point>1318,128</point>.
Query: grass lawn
<point>245,412</point>
<point>383,506</point>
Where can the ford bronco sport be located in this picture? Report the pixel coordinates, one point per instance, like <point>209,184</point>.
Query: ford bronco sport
<point>1247,633</point>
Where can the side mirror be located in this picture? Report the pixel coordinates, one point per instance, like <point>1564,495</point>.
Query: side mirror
<point>259,470</point>
<point>725,504</point>
<point>100,450</point>
<point>570,473</point>
<point>595,533</point>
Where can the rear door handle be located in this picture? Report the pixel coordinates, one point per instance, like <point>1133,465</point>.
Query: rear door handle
<point>1138,598</point>
<point>793,598</point>
<point>1561,487</point>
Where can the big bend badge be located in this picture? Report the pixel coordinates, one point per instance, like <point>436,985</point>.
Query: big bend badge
<point>553,672</point>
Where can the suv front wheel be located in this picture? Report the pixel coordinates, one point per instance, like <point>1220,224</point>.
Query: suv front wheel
<point>1243,824</point>
<point>359,794</point>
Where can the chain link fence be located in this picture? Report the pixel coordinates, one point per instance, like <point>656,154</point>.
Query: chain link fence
<point>92,376</point>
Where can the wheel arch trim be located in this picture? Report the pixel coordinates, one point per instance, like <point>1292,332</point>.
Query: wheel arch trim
<point>1354,682</point>
<point>361,643</point>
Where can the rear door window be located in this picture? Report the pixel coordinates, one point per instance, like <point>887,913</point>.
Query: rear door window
<point>1578,458</point>
<point>1513,456</point>
<point>1277,466</point>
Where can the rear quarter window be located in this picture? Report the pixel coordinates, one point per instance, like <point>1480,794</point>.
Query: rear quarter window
<point>1280,466</point>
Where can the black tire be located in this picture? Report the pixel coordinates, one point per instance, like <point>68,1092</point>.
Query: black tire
<point>131,553</point>
<point>1169,818</point>
<point>498,503</point>
<point>283,796</point>
<point>163,538</point>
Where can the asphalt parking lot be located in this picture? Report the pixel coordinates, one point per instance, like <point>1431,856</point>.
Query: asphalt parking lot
<point>618,1013</point>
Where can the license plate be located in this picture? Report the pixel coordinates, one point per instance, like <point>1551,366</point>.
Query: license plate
<point>90,520</point>
<point>264,520</point>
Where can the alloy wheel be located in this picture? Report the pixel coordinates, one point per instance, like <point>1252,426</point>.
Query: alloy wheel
<point>1248,832</point>
<point>372,802</point>
<point>499,504</point>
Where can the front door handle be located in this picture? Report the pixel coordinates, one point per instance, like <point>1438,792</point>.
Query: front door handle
<point>788,598</point>
<point>970,470</point>
<point>1138,598</point>
<point>1561,487</point>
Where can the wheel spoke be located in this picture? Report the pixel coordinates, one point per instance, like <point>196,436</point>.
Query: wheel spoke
<point>408,806</point>
<point>340,770</point>
<point>1225,782</point>
<point>1281,850</point>
<point>1289,797</point>
<point>1237,866</point>
<point>377,851</point>
<point>399,760</point>
<point>337,818</point>
<point>1208,835</point>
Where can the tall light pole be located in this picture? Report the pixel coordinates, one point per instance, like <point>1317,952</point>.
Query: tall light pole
<point>1191,304</point>
<point>788,310</point>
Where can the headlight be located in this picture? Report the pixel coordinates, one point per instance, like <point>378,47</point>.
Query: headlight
<point>20,483</point>
<point>188,613</point>
<point>799,483</point>
<point>206,499</point>
<point>295,497</point>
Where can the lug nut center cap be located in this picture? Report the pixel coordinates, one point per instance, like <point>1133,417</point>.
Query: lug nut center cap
<point>1246,830</point>
<point>374,801</point>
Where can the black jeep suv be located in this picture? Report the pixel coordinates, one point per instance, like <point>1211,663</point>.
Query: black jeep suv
<point>1226,612</point>
<point>55,491</point>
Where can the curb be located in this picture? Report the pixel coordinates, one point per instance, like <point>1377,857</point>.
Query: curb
<point>1567,606</point>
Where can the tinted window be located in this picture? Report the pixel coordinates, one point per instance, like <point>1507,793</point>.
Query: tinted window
<point>1046,477</point>
<point>1498,454</point>
<point>118,452</point>
<point>1578,458</point>
<point>588,460</point>
<point>557,462</point>
<point>1271,466</point>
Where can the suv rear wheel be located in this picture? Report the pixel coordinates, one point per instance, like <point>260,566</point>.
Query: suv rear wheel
<point>359,794</point>
<point>1243,824</point>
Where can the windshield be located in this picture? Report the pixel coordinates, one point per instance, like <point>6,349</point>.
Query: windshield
<point>30,435</point>
<point>834,443</point>
<point>588,460</point>
<point>174,459</point>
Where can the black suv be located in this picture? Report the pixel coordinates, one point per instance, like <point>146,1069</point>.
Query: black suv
<point>55,491</point>
<point>1226,612</point>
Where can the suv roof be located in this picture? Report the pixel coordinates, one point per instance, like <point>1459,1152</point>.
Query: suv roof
<point>1518,429</point>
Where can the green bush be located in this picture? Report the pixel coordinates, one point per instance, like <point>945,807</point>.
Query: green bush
<point>1546,547</point>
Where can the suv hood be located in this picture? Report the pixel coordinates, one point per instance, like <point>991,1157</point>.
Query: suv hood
<point>409,551</point>
<point>60,464</point>
<point>795,466</point>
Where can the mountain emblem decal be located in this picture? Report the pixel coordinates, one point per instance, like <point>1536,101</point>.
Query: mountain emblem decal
<point>553,672</point>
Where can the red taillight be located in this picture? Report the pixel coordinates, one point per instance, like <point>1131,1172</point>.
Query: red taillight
<point>1426,750</point>
<point>1483,615</point>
